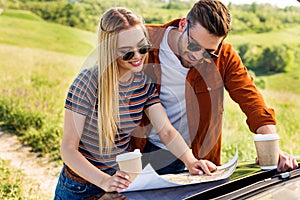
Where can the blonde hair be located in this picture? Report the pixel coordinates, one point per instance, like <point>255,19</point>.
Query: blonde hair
<point>112,22</point>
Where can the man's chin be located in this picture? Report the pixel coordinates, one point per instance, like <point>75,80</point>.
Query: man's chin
<point>185,63</point>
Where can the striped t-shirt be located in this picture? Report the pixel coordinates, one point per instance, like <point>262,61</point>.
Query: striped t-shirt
<point>134,97</point>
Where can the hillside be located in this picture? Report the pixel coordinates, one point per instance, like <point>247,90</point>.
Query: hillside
<point>24,29</point>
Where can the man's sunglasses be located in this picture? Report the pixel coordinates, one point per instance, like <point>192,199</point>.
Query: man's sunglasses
<point>142,50</point>
<point>194,46</point>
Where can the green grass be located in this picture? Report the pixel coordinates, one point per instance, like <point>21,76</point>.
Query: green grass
<point>21,14</point>
<point>39,34</point>
<point>14,185</point>
<point>33,90</point>
<point>288,36</point>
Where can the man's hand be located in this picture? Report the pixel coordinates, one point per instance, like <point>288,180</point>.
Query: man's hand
<point>286,162</point>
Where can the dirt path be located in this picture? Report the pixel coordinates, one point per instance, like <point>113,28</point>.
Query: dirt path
<point>43,174</point>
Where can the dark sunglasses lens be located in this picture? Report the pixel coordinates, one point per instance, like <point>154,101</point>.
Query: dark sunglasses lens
<point>128,55</point>
<point>144,49</point>
<point>206,55</point>
<point>193,47</point>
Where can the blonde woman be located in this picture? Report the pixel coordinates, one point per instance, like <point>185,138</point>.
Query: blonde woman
<point>105,104</point>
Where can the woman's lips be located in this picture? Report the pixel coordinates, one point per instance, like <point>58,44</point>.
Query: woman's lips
<point>136,63</point>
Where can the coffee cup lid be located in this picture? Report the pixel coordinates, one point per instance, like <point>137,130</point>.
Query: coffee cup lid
<point>263,137</point>
<point>129,155</point>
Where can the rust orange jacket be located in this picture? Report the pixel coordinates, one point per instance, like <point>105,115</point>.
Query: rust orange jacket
<point>204,93</point>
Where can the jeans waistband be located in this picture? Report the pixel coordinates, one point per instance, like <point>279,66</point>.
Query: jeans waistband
<point>73,176</point>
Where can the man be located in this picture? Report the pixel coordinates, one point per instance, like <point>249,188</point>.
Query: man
<point>191,64</point>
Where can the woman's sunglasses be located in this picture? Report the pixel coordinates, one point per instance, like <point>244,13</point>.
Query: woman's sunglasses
<point>142,50</point>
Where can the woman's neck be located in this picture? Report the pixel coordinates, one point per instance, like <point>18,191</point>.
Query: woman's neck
<point>126,77</point>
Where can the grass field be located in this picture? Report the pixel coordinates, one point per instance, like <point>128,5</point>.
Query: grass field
<point>25,29</point>
<point>285,36</point>
<point>38,61</point>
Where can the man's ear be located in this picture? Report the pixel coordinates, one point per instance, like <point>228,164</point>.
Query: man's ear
<point>182,24</point>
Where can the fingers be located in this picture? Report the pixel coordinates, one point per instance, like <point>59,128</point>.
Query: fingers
<point>203,167</point>
<point>286,162</point>
<point>118,182</point>
<point>122,175</point>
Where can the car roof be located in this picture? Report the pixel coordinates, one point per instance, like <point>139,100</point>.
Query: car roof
<point>263,184</point>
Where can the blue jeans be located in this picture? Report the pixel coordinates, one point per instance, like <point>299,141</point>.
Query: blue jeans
<point>162,161</point>
<point>69,189</point>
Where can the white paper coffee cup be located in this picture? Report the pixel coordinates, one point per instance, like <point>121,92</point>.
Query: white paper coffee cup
<point>267,148</point>
<point>131,163</point>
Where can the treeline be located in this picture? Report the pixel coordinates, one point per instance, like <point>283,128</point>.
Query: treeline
<point>267,60</point>
<point>260,18</point>
<point>248,18</point>
<point>84,14</point>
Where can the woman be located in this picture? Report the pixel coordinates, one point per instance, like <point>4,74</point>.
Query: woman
<point>105,104</point>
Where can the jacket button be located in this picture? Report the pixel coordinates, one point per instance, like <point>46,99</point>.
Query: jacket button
<point>209,89</point>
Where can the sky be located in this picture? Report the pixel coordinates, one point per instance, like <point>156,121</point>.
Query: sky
<point>278,3</point>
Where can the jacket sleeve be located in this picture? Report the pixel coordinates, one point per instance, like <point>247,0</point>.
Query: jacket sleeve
<point>243,91</point>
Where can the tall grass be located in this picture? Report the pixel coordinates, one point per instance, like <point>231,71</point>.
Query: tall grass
<point>15,186</point>
<point>236,132</point>
<point>33,87</point>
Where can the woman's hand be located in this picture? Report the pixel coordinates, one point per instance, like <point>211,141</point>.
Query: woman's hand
<point>116,183</point>
<point>202,167</point>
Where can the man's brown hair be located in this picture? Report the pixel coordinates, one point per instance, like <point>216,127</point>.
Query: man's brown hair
<point>212,15</point>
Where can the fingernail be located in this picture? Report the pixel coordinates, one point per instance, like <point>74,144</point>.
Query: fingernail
<point>127,177</point>
<point>201,172</point>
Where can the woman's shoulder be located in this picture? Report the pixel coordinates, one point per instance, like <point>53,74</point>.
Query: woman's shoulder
<point>88,73</point>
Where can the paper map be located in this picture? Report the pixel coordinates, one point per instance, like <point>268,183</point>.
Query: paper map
<point>149,179</point>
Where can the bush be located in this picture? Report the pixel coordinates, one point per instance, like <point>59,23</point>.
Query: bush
<point>274,59</point>
<point>19,119</point>
<point>249,54</point>
<point>266,60</point>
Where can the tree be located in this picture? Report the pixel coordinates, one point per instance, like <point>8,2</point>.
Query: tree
<point>275,59</point>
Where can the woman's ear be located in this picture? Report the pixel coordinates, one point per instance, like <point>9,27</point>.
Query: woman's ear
<point>182,24</point>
